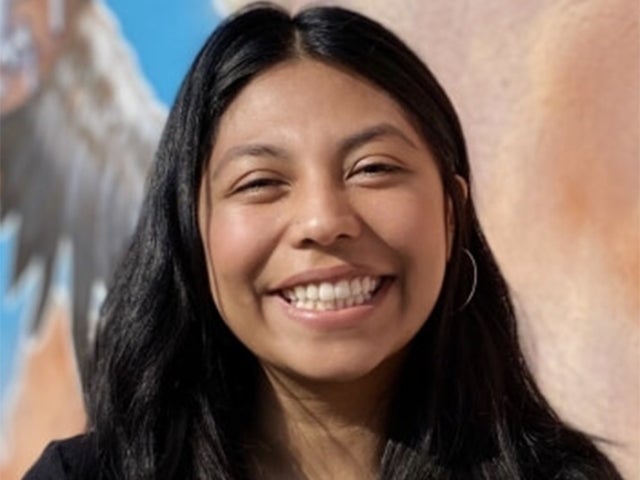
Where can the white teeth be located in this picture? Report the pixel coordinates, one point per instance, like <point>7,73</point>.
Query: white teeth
<point>326,292</point>
<point>342,290</point>
<point>332,296</point>
<point>356,286</point>
<point>312,292</point>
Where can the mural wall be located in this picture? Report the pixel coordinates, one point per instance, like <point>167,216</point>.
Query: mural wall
<point>548,93</point>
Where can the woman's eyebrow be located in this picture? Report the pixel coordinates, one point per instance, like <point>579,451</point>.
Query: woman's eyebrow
<point>251,150</point>
<point>369,134</point>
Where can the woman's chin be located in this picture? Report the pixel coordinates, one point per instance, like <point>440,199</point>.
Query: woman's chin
<point>338,369</point>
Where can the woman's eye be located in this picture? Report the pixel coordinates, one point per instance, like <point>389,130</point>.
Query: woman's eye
<point>257,185</point>
<point>375,169</point>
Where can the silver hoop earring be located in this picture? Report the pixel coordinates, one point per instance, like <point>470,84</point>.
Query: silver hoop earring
<point>474,282</point>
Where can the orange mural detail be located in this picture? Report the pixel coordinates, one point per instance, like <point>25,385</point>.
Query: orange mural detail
<point>47,401</point>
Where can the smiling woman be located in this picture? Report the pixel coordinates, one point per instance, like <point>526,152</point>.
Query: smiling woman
<point>299,207</point>
<point>308,293</point>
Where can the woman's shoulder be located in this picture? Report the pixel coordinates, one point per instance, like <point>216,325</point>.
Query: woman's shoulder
<point>72,458</point>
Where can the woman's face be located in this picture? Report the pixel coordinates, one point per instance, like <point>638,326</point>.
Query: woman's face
<point>324,223</point>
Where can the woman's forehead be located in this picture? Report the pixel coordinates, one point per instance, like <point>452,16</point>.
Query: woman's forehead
<point>306,100</point>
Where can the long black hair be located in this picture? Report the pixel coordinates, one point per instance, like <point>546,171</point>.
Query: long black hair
<point>171,390</point>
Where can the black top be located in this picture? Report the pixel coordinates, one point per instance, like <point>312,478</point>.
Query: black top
<point>74,458</point>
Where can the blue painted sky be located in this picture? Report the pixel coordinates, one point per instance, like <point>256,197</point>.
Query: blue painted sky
<point>166,35</point>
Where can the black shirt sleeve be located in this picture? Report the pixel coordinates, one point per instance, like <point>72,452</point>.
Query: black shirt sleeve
<point>71,459</point>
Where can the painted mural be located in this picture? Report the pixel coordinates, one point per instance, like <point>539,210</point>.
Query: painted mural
<point>84,92</point>
<point>548,93</point>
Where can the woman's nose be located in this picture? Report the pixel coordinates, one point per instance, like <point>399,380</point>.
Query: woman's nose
<point>324,214</point>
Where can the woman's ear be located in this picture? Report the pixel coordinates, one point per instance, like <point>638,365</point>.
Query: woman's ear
<point>463,186</point>
<point>463,192</point>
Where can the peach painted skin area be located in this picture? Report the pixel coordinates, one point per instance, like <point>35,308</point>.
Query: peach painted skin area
<point>317,176</point>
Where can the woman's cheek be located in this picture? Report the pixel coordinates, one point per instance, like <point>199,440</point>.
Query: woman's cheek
<point>409,220</point>
<point>240,241</point>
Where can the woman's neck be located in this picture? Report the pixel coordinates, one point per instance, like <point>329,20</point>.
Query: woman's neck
<point>323,430</point>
